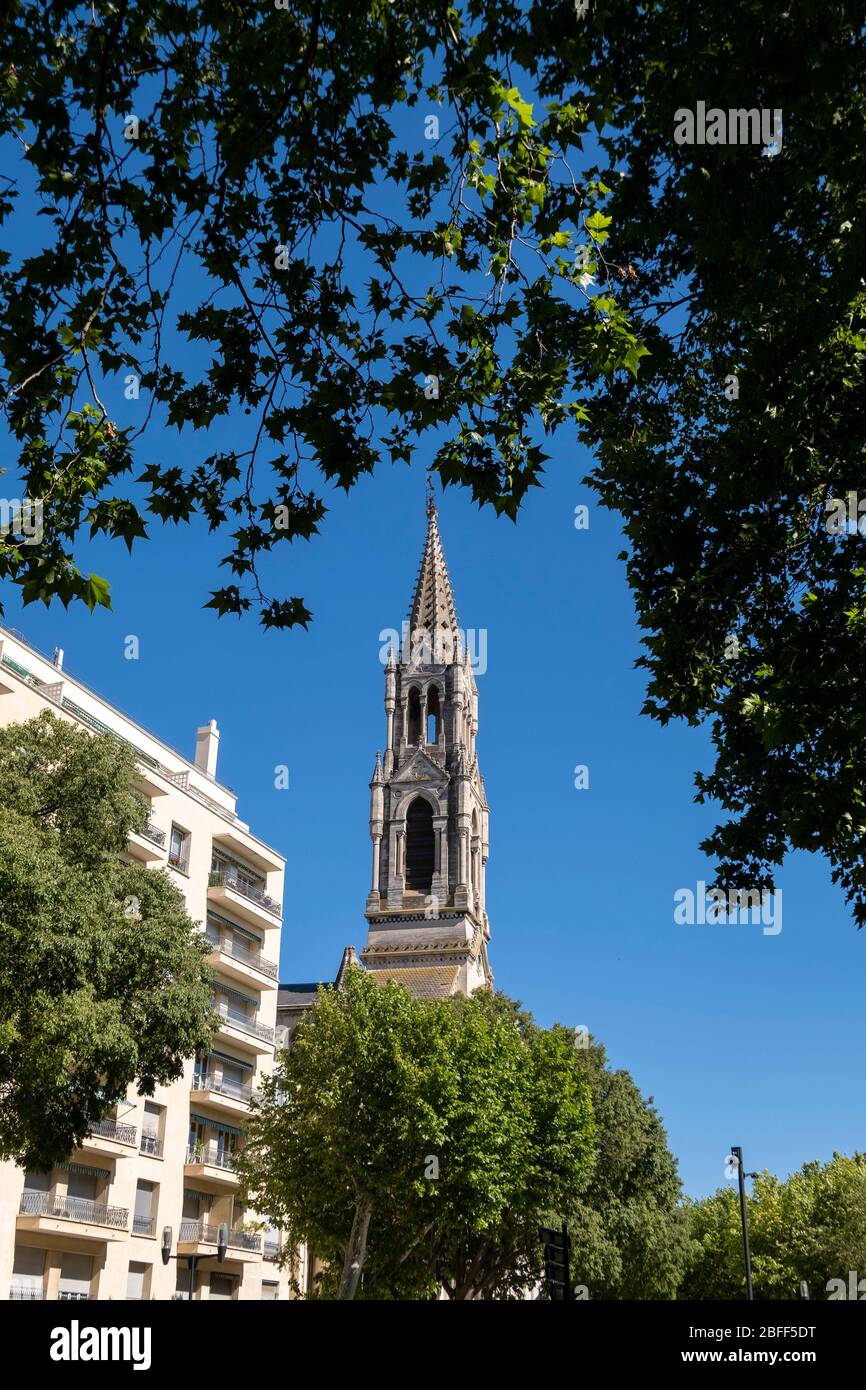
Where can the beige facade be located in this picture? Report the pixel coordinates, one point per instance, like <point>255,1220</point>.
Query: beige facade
<point>93,1227</point>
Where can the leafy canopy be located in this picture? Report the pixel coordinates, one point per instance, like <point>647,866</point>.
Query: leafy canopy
<point>627,1227</point>
<point>458,1122</point>
<point>240,213</point>
<point>103,980</point>
<point>810,1227</point>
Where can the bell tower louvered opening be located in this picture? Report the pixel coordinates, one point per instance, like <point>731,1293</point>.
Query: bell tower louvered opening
<point>419,847</point>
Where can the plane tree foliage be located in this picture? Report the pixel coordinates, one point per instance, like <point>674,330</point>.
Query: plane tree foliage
<point>238,209</point>
<point>417,1146</point>
<point>103,977</point>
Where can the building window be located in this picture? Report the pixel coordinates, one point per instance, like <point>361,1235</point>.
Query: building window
<point>138,1281</point>
<point>152,1129</point>
<point>144,1218</point>
<point>270,1291</point>
<point>419,846</point>
<point>221,1286</point>
<point>414,716</point>
<point>433,714</point>
<point>27,1272</point>
<point>178,851</point>
<point>76,1272</point>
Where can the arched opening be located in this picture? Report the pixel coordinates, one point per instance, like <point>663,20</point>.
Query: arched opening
<point>420,842</point>
<point>434,714</point>
<point>414,734</point>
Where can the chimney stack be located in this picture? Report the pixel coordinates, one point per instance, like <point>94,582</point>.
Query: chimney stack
<point>207,742</point>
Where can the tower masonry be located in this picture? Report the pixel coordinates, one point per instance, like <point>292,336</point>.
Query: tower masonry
<point>426,916</point>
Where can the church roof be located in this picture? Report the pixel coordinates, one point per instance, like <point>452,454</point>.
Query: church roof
<point>433,608</point>
<point>424,981</point>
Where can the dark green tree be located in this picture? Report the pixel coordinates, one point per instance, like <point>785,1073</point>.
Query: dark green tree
<point>417,1146</point>
<point>243,216</point>
<point>628,1228</point>
<point>339,218</point>
<point>103,980</point>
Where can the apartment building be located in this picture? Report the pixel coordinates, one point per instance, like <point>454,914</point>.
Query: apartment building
<point>92,1228</point>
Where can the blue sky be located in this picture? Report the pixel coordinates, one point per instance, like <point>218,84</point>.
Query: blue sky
<point>741,1037</point>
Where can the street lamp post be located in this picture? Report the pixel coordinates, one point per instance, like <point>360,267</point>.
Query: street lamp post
<point>192,1260</point>
<point>737,1159</point>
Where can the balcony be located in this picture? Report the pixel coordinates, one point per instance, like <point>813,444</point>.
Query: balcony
<point>213,1163</point>
<point>24,1295</point>
<point>244,1245</point>
<point>228,1095</point>
<point>242,962</point>
<point>271,1249</point>
<point>151,1146</point>
<point>143,1225</point>
<point>249,903</point>
<point>244,1030</point>
<point>111,1137</point>
<point>39,1211</point>
<point>147,844</point>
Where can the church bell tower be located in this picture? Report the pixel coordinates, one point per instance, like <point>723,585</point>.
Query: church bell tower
<point>427,923</point>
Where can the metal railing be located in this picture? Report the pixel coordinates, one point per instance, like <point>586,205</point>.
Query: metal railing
<point>246,1025</point>
<point>150,832</point>
<point>68,1296</point>
<point>73,1209</point>
<point>204,1081</point>
<point>113,1129</point>
<point>152,1145</point>
<point>226,878</point>
<point>206,1233</point>
<point>25,1295</point>
<point>271,1249</point>
<point>211,1154</point>
<point>143,1225</point>
<point>233,948</point>
<point>178,861</point>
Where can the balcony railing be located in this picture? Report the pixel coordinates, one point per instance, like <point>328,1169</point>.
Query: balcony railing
<point>205,1233</point>
<point>271,1249</point>
<point>246,1025</point>
<point>179,861</point>
<point>204,1081</point>
<point>68,1296</point>
<point>151,1144</point>
<point>226,878</point>
<point>143,1225</point>
<point>211,1154</point>
<point>25,1295</point>
<point>150,832</point>
<point>113,1129</point>
<point>233,948</point>
<point>73,1209</point>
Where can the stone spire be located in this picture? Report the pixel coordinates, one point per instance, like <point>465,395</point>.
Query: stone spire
<point>433,615</point>
<point>426,915</point>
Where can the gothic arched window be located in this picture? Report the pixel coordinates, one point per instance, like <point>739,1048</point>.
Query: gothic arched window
<point>414,734</point>
<point>420,842</point>
<point>434,714</point>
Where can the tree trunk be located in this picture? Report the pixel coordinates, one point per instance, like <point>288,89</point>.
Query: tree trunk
<point>357,1249</point>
